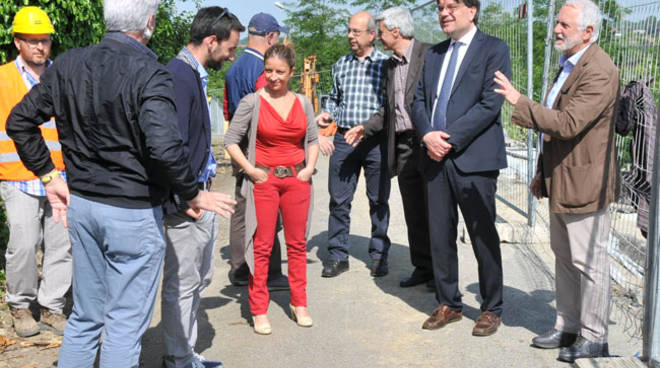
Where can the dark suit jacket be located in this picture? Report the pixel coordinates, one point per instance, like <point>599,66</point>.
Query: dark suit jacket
<point>578,163</point>
<point>385,118</point>
<point>473,110</point>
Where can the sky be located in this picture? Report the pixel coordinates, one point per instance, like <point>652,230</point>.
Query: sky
<point>244,9</point>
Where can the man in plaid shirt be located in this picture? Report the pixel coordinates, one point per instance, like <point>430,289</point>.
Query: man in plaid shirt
<point>29,215</point>
<point>356,95</point>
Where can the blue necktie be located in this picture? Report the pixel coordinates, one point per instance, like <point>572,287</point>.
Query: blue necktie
<point>440,115</point>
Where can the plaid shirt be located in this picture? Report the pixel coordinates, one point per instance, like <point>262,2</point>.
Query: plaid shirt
<point>32,187</point>
<point>357,91</point>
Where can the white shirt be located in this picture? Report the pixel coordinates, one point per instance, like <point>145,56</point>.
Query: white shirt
<point>465,40</point>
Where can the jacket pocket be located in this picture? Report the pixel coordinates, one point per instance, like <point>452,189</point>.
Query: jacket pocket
<point>580,185</point>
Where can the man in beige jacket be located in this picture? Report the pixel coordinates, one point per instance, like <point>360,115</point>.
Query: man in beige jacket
<point>577,171</point>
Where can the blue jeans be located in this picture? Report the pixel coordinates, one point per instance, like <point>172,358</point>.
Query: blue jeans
<point>346,163</point>
<point>117,259</point>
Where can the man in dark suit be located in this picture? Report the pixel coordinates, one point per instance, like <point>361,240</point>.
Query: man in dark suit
<point>395,31</point>
<point>457,114</point>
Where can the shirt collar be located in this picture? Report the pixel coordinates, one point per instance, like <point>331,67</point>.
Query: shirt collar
<point>254,52</point>
<point>467,38</point>
<point>132,42</point>
<point>405,58</point>
<point>203,74</point>
<point>20,62</point>
<point>370,57</point>
<point>573,60</point>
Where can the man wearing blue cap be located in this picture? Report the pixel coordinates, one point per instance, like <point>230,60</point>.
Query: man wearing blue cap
<point>246,76</point>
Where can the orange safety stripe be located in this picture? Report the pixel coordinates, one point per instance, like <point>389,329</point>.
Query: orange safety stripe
<point>12,90</point>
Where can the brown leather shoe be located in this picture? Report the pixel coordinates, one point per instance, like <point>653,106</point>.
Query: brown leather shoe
<point>486,324</point>
<point>440,317</point>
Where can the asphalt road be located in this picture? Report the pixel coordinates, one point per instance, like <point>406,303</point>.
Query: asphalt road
<point>360,321</point>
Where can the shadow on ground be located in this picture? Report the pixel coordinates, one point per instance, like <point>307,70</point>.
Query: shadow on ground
<point>152,340</point>
<point>530,310</point>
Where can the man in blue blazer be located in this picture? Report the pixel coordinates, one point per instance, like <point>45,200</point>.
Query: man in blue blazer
<point>457,114</point>
<point>190,234</point>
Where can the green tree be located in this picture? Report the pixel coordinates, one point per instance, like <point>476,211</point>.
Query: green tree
<point>172,30</point>
<point>76,22</point>
<point>378,6</point>
<point>80,23</point>
<point>318,27</point>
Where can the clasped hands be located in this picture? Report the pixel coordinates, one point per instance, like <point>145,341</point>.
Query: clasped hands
<point>436,144</point>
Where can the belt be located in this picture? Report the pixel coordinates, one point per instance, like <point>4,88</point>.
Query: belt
<point>342,131</point>
<point>283,171</point>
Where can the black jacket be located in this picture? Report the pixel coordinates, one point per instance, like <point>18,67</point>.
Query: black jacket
<point>194,122</point>
<point>114,108</point>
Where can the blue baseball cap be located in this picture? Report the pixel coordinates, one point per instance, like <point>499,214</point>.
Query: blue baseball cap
<point>262,24</point>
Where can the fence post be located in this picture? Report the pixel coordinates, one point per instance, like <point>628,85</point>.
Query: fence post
<point>531,201</point>
<point>651,327</point>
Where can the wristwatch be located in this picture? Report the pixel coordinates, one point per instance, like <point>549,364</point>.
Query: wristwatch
<point>49,177</point>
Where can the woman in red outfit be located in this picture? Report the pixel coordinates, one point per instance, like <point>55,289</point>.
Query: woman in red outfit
<point>282,149</point>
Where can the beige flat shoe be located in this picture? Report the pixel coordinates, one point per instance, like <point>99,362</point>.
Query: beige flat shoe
<point>301,321</point>
<point>263,328</point>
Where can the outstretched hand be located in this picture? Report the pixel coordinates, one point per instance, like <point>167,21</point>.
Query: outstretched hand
<point>323,119</point>
<point>220,203</point>
<point>506,89</point>
<point>354,135</point>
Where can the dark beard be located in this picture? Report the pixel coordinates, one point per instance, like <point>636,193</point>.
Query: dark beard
<point>215,65</point>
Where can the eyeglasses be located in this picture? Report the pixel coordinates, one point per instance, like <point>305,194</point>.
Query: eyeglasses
<point>34,42</point>
<point>356,32</point>
<point>224,12</point>
<point>451,8</point>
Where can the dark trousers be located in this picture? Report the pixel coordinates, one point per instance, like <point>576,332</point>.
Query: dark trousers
<point>413,196</point>
<point>346,163</point>
<point>239,268</point>
<point>474,193</point>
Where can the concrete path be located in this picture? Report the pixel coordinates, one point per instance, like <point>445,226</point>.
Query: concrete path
<point>360,321</point>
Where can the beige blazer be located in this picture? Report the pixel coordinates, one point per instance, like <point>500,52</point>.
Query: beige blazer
<point>578,162</point>
<point>244,126</point>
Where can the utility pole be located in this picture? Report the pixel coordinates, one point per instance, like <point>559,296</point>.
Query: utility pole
<point>651,327</point>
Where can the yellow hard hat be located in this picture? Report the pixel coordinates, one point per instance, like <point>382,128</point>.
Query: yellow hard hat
<point>32,20</point>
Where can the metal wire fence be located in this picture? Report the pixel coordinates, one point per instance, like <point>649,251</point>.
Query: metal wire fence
<point>630,34</point>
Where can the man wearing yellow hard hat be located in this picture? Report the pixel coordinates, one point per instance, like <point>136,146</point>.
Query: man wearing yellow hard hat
<point>29,214</point>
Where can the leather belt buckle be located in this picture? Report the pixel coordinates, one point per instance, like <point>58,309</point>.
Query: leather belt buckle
<point>282,171</point>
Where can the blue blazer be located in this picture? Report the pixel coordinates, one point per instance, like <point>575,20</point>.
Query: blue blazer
<point>192,111</point>
<point>473,110</point>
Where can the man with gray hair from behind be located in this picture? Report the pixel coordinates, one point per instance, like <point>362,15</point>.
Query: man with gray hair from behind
<point>116,118</point>
<point>577,171</point>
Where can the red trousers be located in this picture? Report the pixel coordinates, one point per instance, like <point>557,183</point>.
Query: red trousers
<point>291,197</point>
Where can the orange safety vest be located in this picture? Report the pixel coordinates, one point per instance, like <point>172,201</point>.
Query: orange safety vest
<point>12,90</point>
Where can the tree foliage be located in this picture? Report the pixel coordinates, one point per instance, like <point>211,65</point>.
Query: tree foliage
<point>318,27</point>
<point>76,22</point>
<point>80,23</point>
